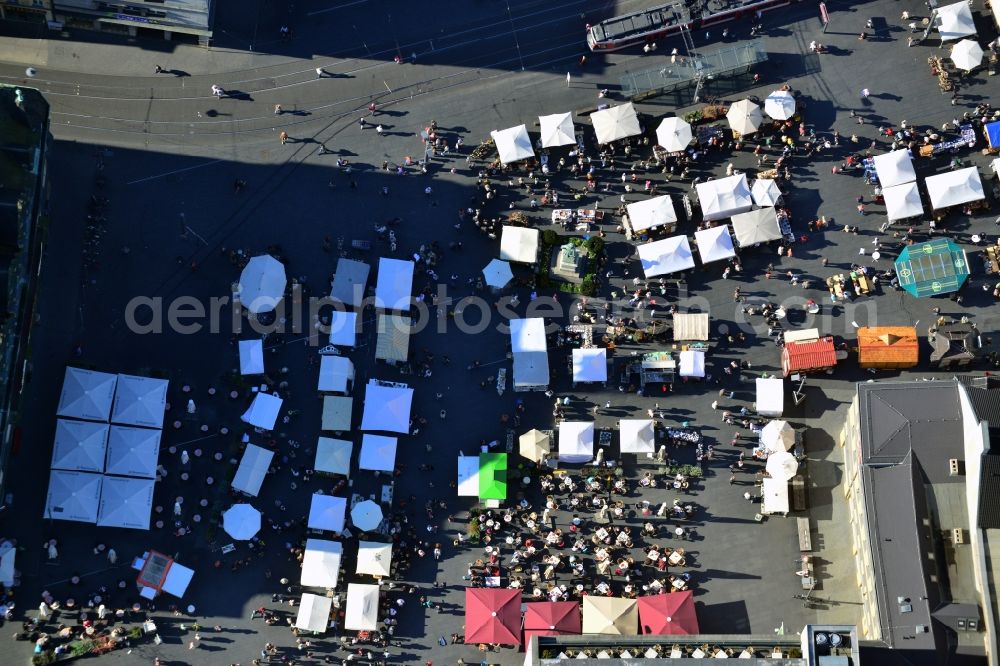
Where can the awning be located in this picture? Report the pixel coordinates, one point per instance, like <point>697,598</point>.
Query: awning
<point>668,614</point>
<point>87,394</point>
<point>327,512</point>
<point>690,326</point>
<point>387,408</point>
<point>692,363</point>
<point>744,117</point>
<point>349,282</point>
<point>263,411</point>
<point>80,446</point>
<point>366,516</point>
<point>492,476</point>
<point>513,144</point>
<point>953,188</point>
<point>497,274</point>
<point>126,502</point>
<point>337,413</point>
<point>492,615</point>
<point>894,168</point>
<point>394,286</point>
<point>724,197</point>
<point>262,284</point>
<point>714,244</point>
<point>669,255</point>
<point>765,192</point>
<point>378,453</point>
<point>252,357</point>
<point>615,123</point>
<point>902,201</point>
<point>361,613</point>
<point>133,451</point>
<point>336,374</point>
<point>321,563</point>
<point>774,496</point>
<point>934,267</point>
<point>343,328</point>
<point>252,470</point>
<point>770,396</point>
<point>651,213</point>
<point>241,522</point>
<point>333,456</point>
<point>610,615</point>
<point>780,105</point>
<point>314,613</point>
<point>590,364</point>
<point>374,558</point>
<point>534,445</point>
<point>519,244</point>
<point>557,130</point>
<point>756,227</point>
<point>637,435</point>
<point>576,441</point>
<point>673,134</point>
<point>551,618</point>
<point>955,21</point>
<point>140,401</point>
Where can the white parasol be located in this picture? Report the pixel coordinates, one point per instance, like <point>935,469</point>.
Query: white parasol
<point>777,436</point>
<point>366,516</point>
<point>967,54</point>
<point>241,521</point>
<point>674,134</point>
<point>780,105</point>
<point>782,465</point>
<point>497,274</point>
<point>744,117</point>
<point>262,283</point>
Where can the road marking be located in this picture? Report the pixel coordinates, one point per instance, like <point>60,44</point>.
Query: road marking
<point>170,173</point>
<point>333,9</point>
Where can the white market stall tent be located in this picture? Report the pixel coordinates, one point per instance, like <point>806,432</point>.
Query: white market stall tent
<point>263,411</point>
<point>617,122</point>
<point>374,558</point>
<point>349,282</point>
<point>513,144</point>
<point>392,338</point>
<point>714,244</point>
<point>953,188</point>
<point>576,441</point>
<point>770,396</point>
<point>378,453</point>
<point>87,394</point>
<point>655,212</point>
<point>251,357</point>
<point>774,496</point>
<point>955,21</point>
<point>669,255</point>
<point>590,364</point>
<point>252,470</point>
<point>80,446</point>
<point>126,502</point>
<point>519,244</point>
<point>902,201</point>
<point>73,496</point>
<point>756,227</point>
<point>321,563</point>
<point>336,374</point>
<point>637,435</point>
<point>241,521</point>
<point>343,328</point>
<point>337,411</point>
<point>314,613</point>
<point>394,286</point>
<point>333,456</point>
<point>468,476</point>
<point>724,197</point>
<point>387,408</point>
<point>530,352</point>
<point>692,363</point>
<point>327,512</point>
<point>133,451</point>
<point>557,130</point>
<point>765,192</point>
<point>362,607</point>
<point>894,168</point>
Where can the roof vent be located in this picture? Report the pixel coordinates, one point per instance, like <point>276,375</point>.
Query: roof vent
<point>954,467</point>
<point>905,608</point>
<point>922,629</point>
<point>958,536</point>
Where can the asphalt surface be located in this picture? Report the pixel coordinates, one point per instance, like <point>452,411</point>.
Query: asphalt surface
<point>170,153</point>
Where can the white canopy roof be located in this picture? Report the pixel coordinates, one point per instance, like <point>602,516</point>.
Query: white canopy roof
<point>894,168</point>
<point>651,213</point>
<point>362,607</point>
<point>557,130</point>
<point>349,282</point>
<point>774,496</point>
<point>519,244</point>
<point>336,374</point>
<point>590,364</point>
<point>714,244</point>
<point>902,201</point>
<point>780,105</point>
<point>73,496</point>
<point>140,401</point>
<point>333,456</point>
<point>394,287</point>
<point>770,396</point>
<point>343,328</point>
<point>337,412</point>
<point>637,435</point>
<point>952,188</point>
<point>252,470</point>
<point>765,192</point>
<point>263,411</point>
<point>377,453</point>
<point>724,197</point>
<point>314,613</point>
<point>468,476</point>
<point>955,21</point>
<point>327,512</point>
<point>80,446</point>
<point>366,515</point>
<point>374,558</point>
<point>576,441</point>
<point>392,341</point>
<point>321,563</point>
<point>251,357</point>
<point>87,394</point>
<point>756,226</point>
<point>673,134</point>
<point>690,326</point>
<point>241,522</point>
<point>666,256</point>
<point>177,580</point>
<point>744,117</point>
<point>126,502</point>
<point>387,408</point>
<point>497,274</point>
<point>262,283</point>
<point>530,351</point>
<point>692,363</point>
<point>133,451</point>
<point>513,144</point>
<point>615,123</point>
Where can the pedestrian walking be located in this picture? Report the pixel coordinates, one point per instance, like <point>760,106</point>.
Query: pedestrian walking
<point>284,137</point>
<point>320,73</point>
<point>607,405</point>
<point>569,79</point>
<point>865,93</point>
<point>379,130</point>
<point>157,70</point>
<point>278,110</point>
<point>362,123</point>
<point>371,108</point>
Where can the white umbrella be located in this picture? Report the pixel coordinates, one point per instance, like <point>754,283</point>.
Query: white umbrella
<point>782,465</point>
<point>744,117</point>
<point>498,274</point>
<point>262,283</point>
<point>241,521</point>
<point>673,134</point>
<point>777,436</point>
<point>967,54</point>
<point>557,130</point>
<point>366,515</point>
<point>780,105</point>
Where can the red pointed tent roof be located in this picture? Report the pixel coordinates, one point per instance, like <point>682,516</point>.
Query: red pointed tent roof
<point>552,618</point>
<point>664,614</point>
<point>492,615</point>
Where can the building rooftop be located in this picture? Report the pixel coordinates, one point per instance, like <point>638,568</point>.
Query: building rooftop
<point>895,345</point>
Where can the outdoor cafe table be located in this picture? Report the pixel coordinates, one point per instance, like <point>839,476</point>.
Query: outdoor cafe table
<point>675,557</point>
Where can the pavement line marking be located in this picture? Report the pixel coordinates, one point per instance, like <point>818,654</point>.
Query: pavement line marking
<point>170,173</point>
<point>333,9</point>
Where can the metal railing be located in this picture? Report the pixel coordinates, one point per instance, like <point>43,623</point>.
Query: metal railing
<point>687,71</point>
